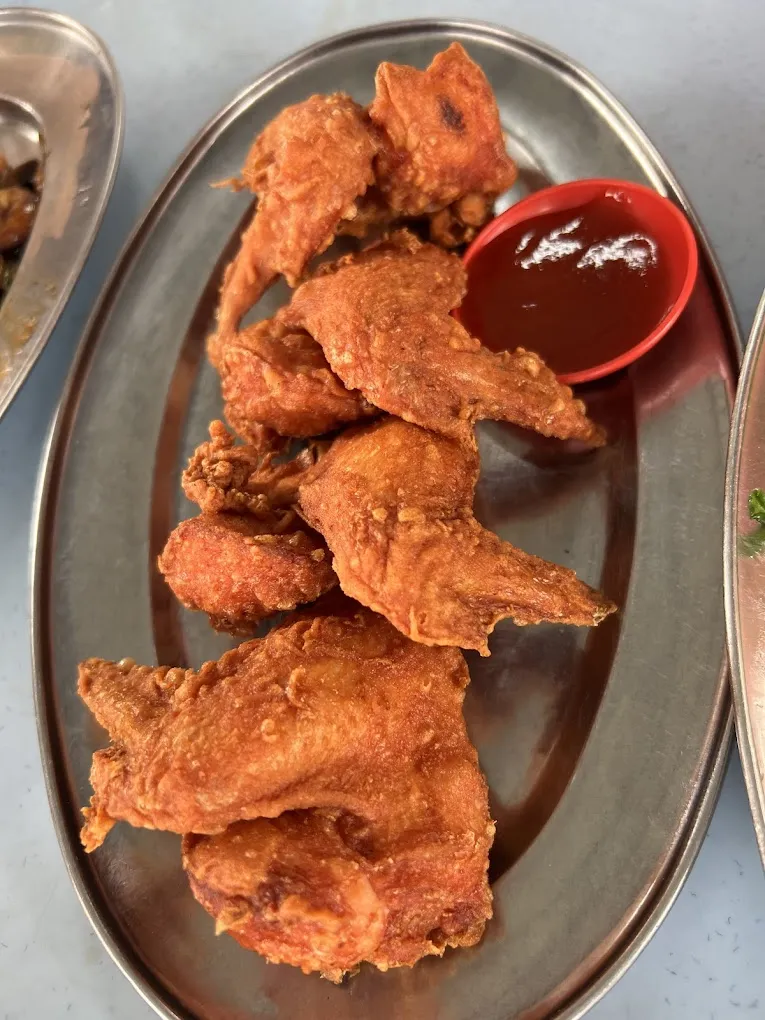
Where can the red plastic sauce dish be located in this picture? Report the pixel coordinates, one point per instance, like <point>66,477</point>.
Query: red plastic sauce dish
<point>589,274</point>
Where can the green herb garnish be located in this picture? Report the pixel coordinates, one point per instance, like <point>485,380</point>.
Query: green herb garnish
<point>754,543</point>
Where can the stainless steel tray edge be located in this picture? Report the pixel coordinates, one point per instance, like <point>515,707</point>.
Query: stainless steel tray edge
<point>744,728</point>
<point>654,911</point>
<point>64,285</point>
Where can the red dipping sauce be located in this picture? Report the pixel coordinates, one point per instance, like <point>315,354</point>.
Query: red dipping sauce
<point>579,286</point>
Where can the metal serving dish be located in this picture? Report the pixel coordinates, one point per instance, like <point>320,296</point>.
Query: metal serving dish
<point>604,750</point>
<point>60,101</point>
<point>745,574</point>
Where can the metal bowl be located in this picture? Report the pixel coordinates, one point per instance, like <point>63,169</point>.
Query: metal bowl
<point>60,102</point>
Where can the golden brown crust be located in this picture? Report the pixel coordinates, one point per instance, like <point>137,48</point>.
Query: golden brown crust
<point>441,135</point>
<point>394,503</point>
<point>241,569</point>
<point>247,555</point>
<point>296,891</point>
<point>338,809</point>
<point>338,712</point>
<point>307,167</point>
<point>223,475</point>
<point>382,319</point>
<point>278,377</point>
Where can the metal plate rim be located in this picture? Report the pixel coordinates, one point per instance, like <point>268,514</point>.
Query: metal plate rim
<point>730,578</point>
<point>688,846</point>
<point>33,17</point>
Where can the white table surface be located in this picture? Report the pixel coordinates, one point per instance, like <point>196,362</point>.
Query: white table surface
<point>691,71</point>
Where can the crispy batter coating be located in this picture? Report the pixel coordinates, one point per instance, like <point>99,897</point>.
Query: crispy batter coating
<point>459,223</point>
<point>394,503</point>
<point>352,739</point>
<point>223,475</point>
<point>441,135</point>
<point>247,556</point>
<point>307,167</point>
<point>297,890</point>
<point>240,569</point>
<point>331,711</point>
<point>382,318</point>
<point>278,377</point>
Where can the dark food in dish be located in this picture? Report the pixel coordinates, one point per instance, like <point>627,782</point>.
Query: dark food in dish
<point>20,189</point>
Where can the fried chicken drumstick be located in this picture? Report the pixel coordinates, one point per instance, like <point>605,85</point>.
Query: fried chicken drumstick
<point>351,738</point>
<point>382,319</point>
<point>247,555</point>
<point>395,505</point>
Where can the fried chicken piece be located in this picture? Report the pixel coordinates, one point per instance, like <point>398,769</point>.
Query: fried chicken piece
<point>307,167</point>
<point>459,223</point>
<point>394,503</point>
<point>247,555</point>
<point>296,890</point>
<point>372,214</point>
<point>382,319</point>
<point>441,135</point>
<point>241,569</point>
<point>223,475</point>
<point>278,377</point>
<point>347,734</point>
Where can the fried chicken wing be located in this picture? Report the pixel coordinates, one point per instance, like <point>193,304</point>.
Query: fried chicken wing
<point>394,503</point>
<point>441,135</point>
<point>382,319</point>
<point>298,891</point>
<point>278,377</point>
<point>430,143</point>
<point>351,738</point>
<point>241,569</point>
<point>331,711</point>
<point>307,167</point>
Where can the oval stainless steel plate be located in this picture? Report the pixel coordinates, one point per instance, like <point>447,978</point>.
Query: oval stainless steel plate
<point>745,574</point>
<point>604,750</point>
<point>60,98</point>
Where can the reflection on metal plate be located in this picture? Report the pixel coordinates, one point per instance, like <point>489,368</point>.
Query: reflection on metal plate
<point>604,749</point>
<point>60,101</point>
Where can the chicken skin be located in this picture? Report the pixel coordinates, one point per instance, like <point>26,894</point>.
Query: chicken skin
<point>307,168</point>
<point>430,145</point>
<point>247,555</point>
<point>302,889</point>
<point>278,378</point>
<point>395,505</point>
<point>382,319</point>
<point>442,145</point>
<point>351,738</point>
<point>225,475</point>
<point>241,569</point>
